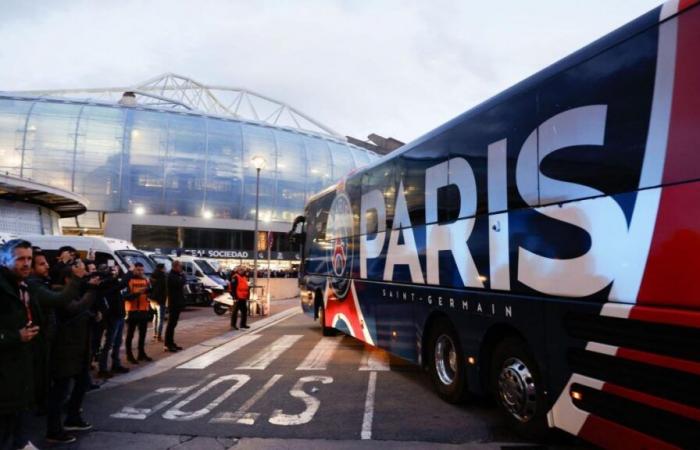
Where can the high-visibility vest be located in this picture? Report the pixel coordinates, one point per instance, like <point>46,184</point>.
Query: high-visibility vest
<point>140,303</point>
<point>241,287</point>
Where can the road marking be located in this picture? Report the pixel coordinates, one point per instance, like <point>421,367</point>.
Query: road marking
<point>176,412</point>
<point>182,357</point>
<point>319,356</point>
<point>242,416</point>
<point>270,353</point>
<point>375,359</point>
<point>312,403</point>
<point>131,411</point>
<point>369,407</point>
<point>209,358</point>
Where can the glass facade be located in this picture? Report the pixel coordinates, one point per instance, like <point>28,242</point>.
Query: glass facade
<point>172,163</point>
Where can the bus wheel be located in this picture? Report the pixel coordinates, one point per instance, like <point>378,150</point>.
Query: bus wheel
<point>517,385</point>
<point>446,363</point>
<point>219,309</point>
<point>326,331</point>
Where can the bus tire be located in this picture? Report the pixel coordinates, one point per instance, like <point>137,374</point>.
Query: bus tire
<point>326,331</point>
<point>517,386</point>
<point>446,363</point>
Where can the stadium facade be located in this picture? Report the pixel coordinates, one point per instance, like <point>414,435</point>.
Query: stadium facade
<point>167,163</point>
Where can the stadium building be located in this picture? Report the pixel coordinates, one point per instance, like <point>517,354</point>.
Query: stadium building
<point>167,163</point>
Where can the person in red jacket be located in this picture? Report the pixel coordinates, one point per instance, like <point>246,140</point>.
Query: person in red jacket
<point>240,290</point>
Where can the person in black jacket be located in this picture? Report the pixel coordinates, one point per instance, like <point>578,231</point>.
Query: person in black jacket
<point>69,364</point>
<point>114,324</point>
<point>176,303</point>
<point>20,342</point>
<point>39,289</point>
<point>158,297</point>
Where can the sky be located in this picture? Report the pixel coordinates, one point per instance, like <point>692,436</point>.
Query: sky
<point>395,68</point>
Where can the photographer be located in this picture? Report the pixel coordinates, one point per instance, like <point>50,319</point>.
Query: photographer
<point>69,362</point>
<point>137,316</point>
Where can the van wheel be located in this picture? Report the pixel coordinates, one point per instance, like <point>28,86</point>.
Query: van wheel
<point>219,309</point>
<point>446,363</point>
<point>326,331</point>
<point>516,382</point>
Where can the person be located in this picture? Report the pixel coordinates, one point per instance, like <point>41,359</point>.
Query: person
<point>241,293</point>
<point>70,362</point>
<point>176,303</point>
<point>114,325</point>
<point>137,306</point>
<point>158,298</point>
<point>40,290</point>
<point>19,343</point>
<point>66,256</point>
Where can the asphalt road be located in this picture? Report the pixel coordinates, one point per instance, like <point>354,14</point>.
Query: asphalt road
<point>268,388</point>
<point>285,381</point>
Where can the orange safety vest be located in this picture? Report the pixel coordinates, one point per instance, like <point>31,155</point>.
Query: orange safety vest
<point>140,303</point>
<point>241,288</point>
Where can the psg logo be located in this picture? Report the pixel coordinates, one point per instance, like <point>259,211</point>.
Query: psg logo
<point>339,233</point>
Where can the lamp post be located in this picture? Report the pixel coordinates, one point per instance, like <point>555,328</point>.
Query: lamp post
<point>258,162</point>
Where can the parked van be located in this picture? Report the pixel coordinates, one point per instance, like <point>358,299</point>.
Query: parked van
<point>194,290</point>
<point>100,249</point>
<point>198,267</point>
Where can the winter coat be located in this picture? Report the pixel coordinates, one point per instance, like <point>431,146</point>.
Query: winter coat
<point>17,359</point>
<point>70,351</point>
<point>159,288</point>
<point>176,286</point>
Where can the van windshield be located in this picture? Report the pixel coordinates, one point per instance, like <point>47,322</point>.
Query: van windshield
<point>131,257</point>
<point>160,259</point>
<point>205,266</point>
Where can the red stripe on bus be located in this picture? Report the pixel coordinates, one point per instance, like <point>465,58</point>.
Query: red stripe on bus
<point>671,273</point>
<point>653,401</point>
<point>659,360</point>
<point>607,434</point>
<point>685,4</point>
<point>683,318</point>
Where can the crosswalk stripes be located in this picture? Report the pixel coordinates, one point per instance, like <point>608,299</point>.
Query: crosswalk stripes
<point>209,358</point>
<point>321,354</point>
<point>318,358</point>
<point>266,356</point>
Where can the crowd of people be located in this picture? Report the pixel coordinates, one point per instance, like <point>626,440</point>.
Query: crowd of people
<point>59,317</point>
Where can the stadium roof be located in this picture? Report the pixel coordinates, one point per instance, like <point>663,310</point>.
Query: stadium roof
<point>183,93</point>
<point>65,203</point>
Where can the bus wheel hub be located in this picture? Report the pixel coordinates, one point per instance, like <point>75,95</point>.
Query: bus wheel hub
<point>517,390</point>
<point>445,359</point>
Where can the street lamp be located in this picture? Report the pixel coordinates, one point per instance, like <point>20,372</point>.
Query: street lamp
<point>258,162</point>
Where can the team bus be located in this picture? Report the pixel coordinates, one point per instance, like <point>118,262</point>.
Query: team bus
<point>543,247</point>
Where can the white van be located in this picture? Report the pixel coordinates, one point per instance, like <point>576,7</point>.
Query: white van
<point>200,268</point>
<point>100,249</point>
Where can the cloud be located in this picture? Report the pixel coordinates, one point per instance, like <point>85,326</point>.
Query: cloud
<point>398,68</point>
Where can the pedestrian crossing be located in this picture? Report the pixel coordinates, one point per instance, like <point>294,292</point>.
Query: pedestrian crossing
<point>318,358</point>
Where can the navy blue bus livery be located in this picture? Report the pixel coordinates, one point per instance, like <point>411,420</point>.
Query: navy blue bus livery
<point>542,247</point>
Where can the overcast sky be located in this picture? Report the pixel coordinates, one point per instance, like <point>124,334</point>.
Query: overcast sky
<point>397,68</point>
